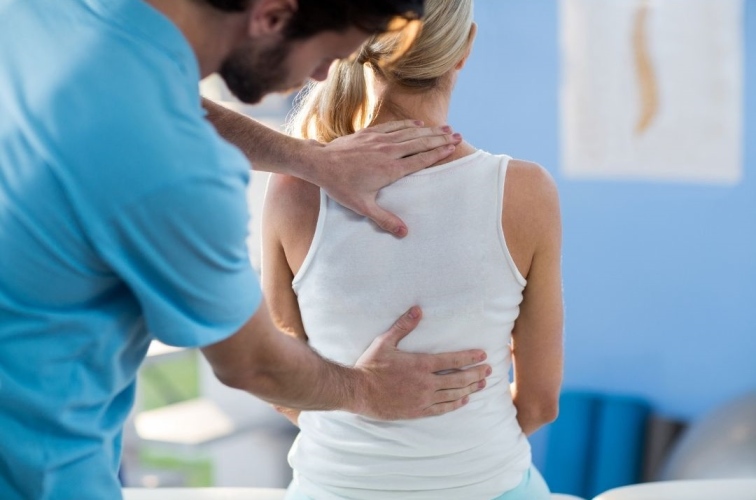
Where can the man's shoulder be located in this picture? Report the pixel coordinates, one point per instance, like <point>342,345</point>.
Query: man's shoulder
<point>75,65</point>
<point>109,110</point>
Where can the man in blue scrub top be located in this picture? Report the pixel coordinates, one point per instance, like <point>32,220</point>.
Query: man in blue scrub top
<point>123,219</point>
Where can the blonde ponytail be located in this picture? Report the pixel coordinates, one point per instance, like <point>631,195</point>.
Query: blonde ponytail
<point>416,57</point>
<point>335,107</point>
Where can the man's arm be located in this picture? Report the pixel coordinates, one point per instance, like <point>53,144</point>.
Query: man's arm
<point>351,169</point>
<point>386,383</point>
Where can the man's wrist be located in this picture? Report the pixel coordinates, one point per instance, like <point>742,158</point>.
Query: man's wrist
<point>306,162</point>
<point>357,383</point>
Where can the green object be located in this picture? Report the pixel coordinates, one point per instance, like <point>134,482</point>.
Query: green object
<point>197,472</point>
<point>164,382</point>
<point>169,381</point>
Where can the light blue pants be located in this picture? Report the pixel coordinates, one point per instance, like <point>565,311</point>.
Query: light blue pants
<point>532,487</point>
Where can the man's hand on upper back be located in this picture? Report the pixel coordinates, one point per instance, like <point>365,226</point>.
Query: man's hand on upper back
<point>352,169</point>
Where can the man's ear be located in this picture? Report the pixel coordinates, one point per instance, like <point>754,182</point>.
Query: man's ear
<point>270,17</point>
<point>470,40</point>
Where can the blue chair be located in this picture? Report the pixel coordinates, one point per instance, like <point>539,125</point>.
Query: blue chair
<point>596,443</point>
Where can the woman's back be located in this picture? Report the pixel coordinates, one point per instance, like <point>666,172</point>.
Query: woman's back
<point>478,226</point>
<point>455,264</point>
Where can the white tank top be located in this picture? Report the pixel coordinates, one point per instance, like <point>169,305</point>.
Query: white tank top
<point>356,280</point>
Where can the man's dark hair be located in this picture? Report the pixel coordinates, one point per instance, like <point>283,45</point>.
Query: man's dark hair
<point>314,16</point>
<point>372,16</point>
<point>230,5</point>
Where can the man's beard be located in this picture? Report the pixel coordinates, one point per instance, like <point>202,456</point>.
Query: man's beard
<point>251,73</point>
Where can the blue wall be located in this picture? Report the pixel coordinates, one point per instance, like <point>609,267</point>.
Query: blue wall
<point>660,279</point>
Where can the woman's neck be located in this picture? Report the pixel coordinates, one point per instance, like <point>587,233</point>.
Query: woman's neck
<point>432,107</point>
<point>396,103</point>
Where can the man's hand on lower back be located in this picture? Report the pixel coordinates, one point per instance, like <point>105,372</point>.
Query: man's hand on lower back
<point>400,385</point>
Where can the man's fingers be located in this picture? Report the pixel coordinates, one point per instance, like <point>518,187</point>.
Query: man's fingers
<point>424,144</point>
<point>406,139</point>
<point>386,220</point>
<point>394,126</point>
<point>418,161</point>
<point>405,324</point>
<point>451,395</point>
<point>456,360</point>
<point>463,378</point>
<point>452,399</point>
<point>418,133</point>
<point>441,408</point>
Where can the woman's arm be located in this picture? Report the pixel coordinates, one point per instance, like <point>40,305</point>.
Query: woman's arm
<point>532,227</point>
<point>277,274</point>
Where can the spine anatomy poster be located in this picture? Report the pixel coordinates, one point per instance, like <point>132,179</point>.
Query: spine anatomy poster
<point>652,90</point>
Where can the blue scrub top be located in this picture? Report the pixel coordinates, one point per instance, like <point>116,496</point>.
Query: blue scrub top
<point>122,212</point>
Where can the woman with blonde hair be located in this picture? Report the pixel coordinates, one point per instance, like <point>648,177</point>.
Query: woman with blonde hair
<point>482,262</point>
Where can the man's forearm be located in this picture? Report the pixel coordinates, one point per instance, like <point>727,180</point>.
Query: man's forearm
<point>295,376</point>
<point>281,369</point>
<point>385,383</point>
<point>267,150</point>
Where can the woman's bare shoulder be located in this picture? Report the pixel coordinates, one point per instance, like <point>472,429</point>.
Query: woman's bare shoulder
<point>286,191</point>
<point>531,189</point>
<point>291,209</point>
<point>289,198</point>
<point>531,178</point>
<point>530,215</point>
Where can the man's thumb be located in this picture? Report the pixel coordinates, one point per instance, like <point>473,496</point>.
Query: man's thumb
<point>404,325</point>
<point>387,221</point>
